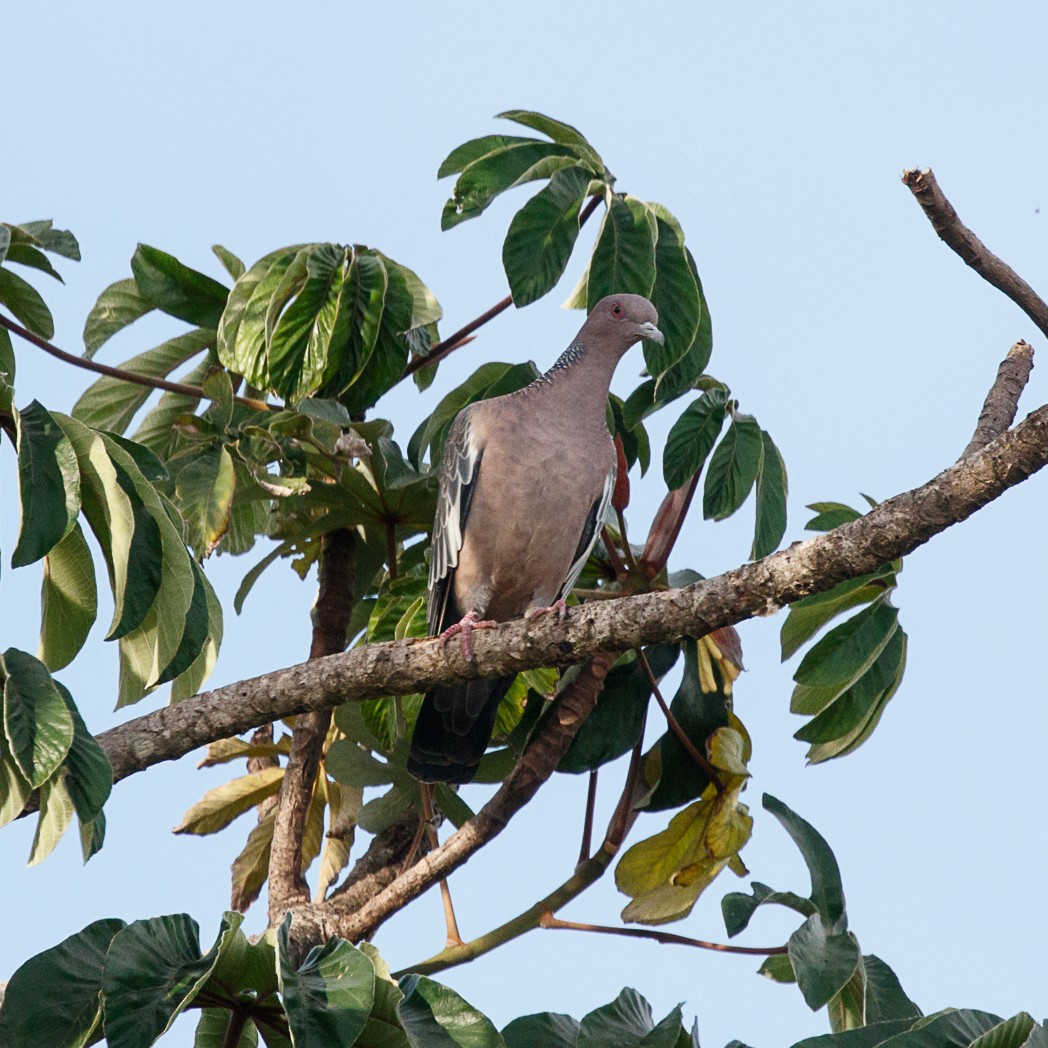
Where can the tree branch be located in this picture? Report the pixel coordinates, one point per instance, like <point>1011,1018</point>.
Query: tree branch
<point>1002,402</point>
<point>972,250</point>
<point>125,376</point>
<point>287,886</point>
<point>893,529</point>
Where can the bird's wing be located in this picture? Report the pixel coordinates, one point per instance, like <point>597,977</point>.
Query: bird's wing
<point>459,468</point>
<point>590,532</point>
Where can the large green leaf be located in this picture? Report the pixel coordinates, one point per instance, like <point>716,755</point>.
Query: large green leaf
<point>733,468</point>
<point>434,1016</point>
<point>7,372</point>
<point>885,998</point>
<point>549,1029</point>
<point>823,960</point>
<point>807,616</point>
<point>68,600</point>
<point>771,500</point>
<point>692,437</point>
<point>618,718</point>
<point>119,305</point>
<point>827,892</point>
<point>49,484</point>
<point>699,713</point>
<point>222,804</point>
<point>493,172</point>
<point>176,289</point>
<point>204,490</point>
<point>737,908</point>
<point>37,723</point>
<point>542,235</point>
<point>25,302</point>
<point>56,813</point>
<point>213,1029</point>
<point>621,1024</point>
<point>675,294</point>
<point>362,307</point>
<point>57,241</point>
<point>111,403</point>
<point>53,998</point>
<point>846,652</point>
<point>90,778</point>
<point>154,969</point>
<point>624,255</point>
<point>328,998</point>
<point>14,789</point>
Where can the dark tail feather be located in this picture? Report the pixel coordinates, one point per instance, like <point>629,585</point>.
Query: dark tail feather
<point>453,730</point>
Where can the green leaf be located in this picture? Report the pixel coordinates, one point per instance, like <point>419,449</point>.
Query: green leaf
<point>56,813</point>
<point>771,500</point>
<point>92,836</point>
<point>823,961</point>
<point>7,372</point>
<point>464,155</point>
<point>111,403</point>
<point>222,804</point>
<point>542,235</point>
<point>807,616</point>
<point>154,969</point>
<point>548,1029</point>
<point>699,713</point>
<point>213,1026</point>
<point>848,650</point>
<point>176,289</point>
<point>198,632</point>
<point>618,718</point>
<point>733,468</point>
<point>621,1024</point>
<point>692,437</point>
<point>830,515</point>
<point>27,255</point>
<point>329,997</point>
<point>57,241</point>
<point>484,178</point>
<point>37,723</point>
<point>624,255</point>
<point>232,265</point>
<point>49,484</point>
<point>14,789</point>
<point>547,125</point>
<point>434,1016</point>
<point>737,908</point>
<point>53,998</point>
<point>353,765</point>
<point>676,295</point>
<point>119,305</point>
<point>204,490</point>
<point>778,968</point>
<point>885,998</point>
<point>90,778</point>
<point>827,892</point>
<point>68,600</point>
<point>24,301</point>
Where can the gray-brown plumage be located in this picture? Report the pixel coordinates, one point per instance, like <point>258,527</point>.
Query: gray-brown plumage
<point>525,483</point>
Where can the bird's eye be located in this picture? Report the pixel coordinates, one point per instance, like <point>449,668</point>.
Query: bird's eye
<point>617,310</point>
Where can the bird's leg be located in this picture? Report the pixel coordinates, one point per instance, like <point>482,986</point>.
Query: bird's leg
<point>453,937</point>
<point>558,606</point>
<point>466,625</point>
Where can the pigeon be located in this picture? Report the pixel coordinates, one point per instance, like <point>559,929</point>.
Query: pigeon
<point>525,483</point>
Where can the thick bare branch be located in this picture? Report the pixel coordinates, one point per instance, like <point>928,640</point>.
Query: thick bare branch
<point>956,235</point>
<point>895,528</point>
<point>1002,402</point>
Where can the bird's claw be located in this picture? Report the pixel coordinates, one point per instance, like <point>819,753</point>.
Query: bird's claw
<point>466,625</point>
<point>558,606</point>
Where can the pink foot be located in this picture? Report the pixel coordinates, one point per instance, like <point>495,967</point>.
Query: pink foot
<point>470,621</point>
<point>558,606</point>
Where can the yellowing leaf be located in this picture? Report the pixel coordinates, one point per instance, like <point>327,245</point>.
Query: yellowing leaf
<point>220,806</point>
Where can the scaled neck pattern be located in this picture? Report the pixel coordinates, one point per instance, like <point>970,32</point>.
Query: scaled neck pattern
<point>572,355</point>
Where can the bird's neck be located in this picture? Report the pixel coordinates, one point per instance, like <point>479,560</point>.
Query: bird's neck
<point>582,378</point>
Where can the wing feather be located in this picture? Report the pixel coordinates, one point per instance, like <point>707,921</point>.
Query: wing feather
<point>459,468</point>
<point>590,533</point>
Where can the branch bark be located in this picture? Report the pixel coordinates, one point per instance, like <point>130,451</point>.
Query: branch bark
<point>894,529</point>
<point>1002,402</point>
<point>956,235</point>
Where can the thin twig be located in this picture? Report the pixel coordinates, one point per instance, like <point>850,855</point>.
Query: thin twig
<point>585,849</point>
<point>613,554</point>
<point>956,235</point>
<point>627,552</point>
<point>675,727</point>
<point>1002,402</point>
<point>457,340</point>
<point>666,938</point>
<point>119,373</point>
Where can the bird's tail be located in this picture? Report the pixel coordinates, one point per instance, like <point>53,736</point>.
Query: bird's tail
<point>453,729</point>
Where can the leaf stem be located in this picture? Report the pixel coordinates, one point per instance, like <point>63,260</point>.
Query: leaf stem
<point>587,822</point>
<point>119,373</point>
<point>675,726</point>
<point>549,921</point>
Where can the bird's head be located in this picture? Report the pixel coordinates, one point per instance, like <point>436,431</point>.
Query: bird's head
<point>620,321</point>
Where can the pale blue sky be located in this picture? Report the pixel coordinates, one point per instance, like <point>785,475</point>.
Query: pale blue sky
<point>777,134</point>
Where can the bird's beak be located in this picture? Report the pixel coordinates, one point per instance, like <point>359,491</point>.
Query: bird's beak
<point>652,333</point>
